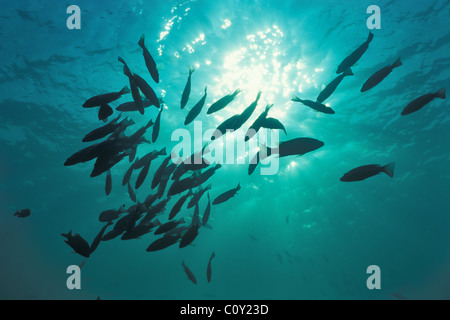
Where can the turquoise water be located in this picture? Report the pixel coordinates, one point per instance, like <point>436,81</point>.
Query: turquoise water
<point>299,234</point>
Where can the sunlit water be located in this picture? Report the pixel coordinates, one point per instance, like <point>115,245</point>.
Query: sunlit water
<point>298,234</point>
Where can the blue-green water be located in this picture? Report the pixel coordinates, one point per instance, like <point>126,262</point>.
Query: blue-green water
<point>299,234</point>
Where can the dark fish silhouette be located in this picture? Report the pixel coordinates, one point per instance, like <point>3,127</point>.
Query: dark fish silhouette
<point>177,206</point>
<point>149,62</point>
<point>108,183</point>
<point>127,176</point>
<point>22,213</point>
<point>163,243</point>
<point>227,195</point>
<point>156,127</point>
<point>189,273</point>
<point>111,214</point>
<point>421,101</point>
<point>187,89</point>
<point>148,92</point>
<point>131,106</point>
<point>142,175</point>
<point>107,129</point>
<point>77,243</point>
<point>98,238</point>
<point>105,161</point>
<point>168,226</point>
<point>197,196</point>
<point>329,89</point>
<point>189,236</point>
<point>208,269</point>
<point>104,112</point>
<point>378,76</point>
<point>131,193</point>
<point>207,212</point>
<point>104,99</point>
<point>367,171</point>
<point>141,229</point>
<point>272,123</point>
<point>355,55</point>
<point>314,105</point>
<point>135,93</point>
<point>257,124</point>
<point>195,111</point>
<point>159,172</point>
<point>222,102</point>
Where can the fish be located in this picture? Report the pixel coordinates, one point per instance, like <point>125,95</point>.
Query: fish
<point>208,269</point>
<point>189,273</point>
<point>162,243</point>
<point>236,121</point>
<point>157,208</point>
<point>104,112</point>
<point>131,193</point>
<point>177,206</point>
<point>168,226</point>
<point>223,102</point>
<point>331,87</point>
<point>378,76</point>
<point>207,212</point>
<point>189,236</point>
<point>134,88</point>
<point>367,171</point>
<point>187,89</point>
<point>155,132</point>
<point>141,229</point>
<point>196,217</point>
<point>142,175</point>
<point>272,123</point>
<point>23,213</point>
<point>127,176</point>
<point>108,183</point>
<point>131,105</point>
<point>421,101</point>
<point>149,62</point>
<point>159,172</point>
<point>105,161</point>
<point>106,98</point>
<point>111,214</point>
<point>227,195</point>
<point>297,146</point>
<point>107,129</point>
<point>196,198</point>
<point>77,243</point>
<point>257,124</point>
<point>351,59</point>
<point>148,92</point>
<point>314,105</point>
<point>195,111</point>
<point>98,238</point>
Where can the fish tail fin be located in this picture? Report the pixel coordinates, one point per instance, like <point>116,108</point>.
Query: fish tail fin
<point>67,235</point>
<point>191,70</point>
<point>258,96</point>
<point>125,90</point>
<point>370,37</point>
<point>268,107</point>
<point>213,255</point>
<point>163,151</point>
<point>396,64</point>
<point>389,169</point>
<point>236,92</point>
<point>238,187</point>
<point>441,93</point>
<point>348,72</point>
<point>267,154</point>
<point>296,99</point>
<point>141,41</point>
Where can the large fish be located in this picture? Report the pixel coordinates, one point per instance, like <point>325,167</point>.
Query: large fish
<point>149,62</point>
<point>329,89</point>
<point>227,195</point>
<point>208,269</point>
<point>421,101</point>
<point>187,89</point>
<point>106,98</point>
<point>134,88</point>
<point>195,111</point>
<point>367,171</point>
<point>378,76</point>
<point>314,105</point>
<point>189,273</point>
<point>222,102</point>
<point>355,55</point>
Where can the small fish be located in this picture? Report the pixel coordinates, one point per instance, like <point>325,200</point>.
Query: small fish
<point>159,172</point>
<point>111,214</point>
<point>187,89</point>
<point>272,123</point>
<point>189,236</point>
<point>134,88</point>
<point>142,175</point>
<point>208,269</point>
<point>421,101</point>
<point>77,243</point>
<point>189,273</point>
<point>106,98</point>
<point>105,161</point>
<point>131,193</point>
<point>148,92</point>
<point>177,206</point>
<point>257,124</point>
<point>331,87</point>
<point>355,55</point>
<point>196,198</point>
<point>155,132</point>
<point>378,76</point>
<point>98,238</point>
<point>195,111</point>
<point>367,171</point>
<point>131,106</point>
<point>196,217</point>
<point>168,226</point>
<point>207,212</point>
<point>314,105</point>
<point>223,102</point>
<point>127,176</point>
<point>163,243</point>
<point>297,146</point>
<point>109,128</point>
<point>149,62</point>
<point>227,195</point>
<point>108,183</point>
<point>104,112</point>
<point>22,213</point>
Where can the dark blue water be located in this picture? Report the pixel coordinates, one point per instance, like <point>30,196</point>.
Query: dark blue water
<point>298,234</point>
